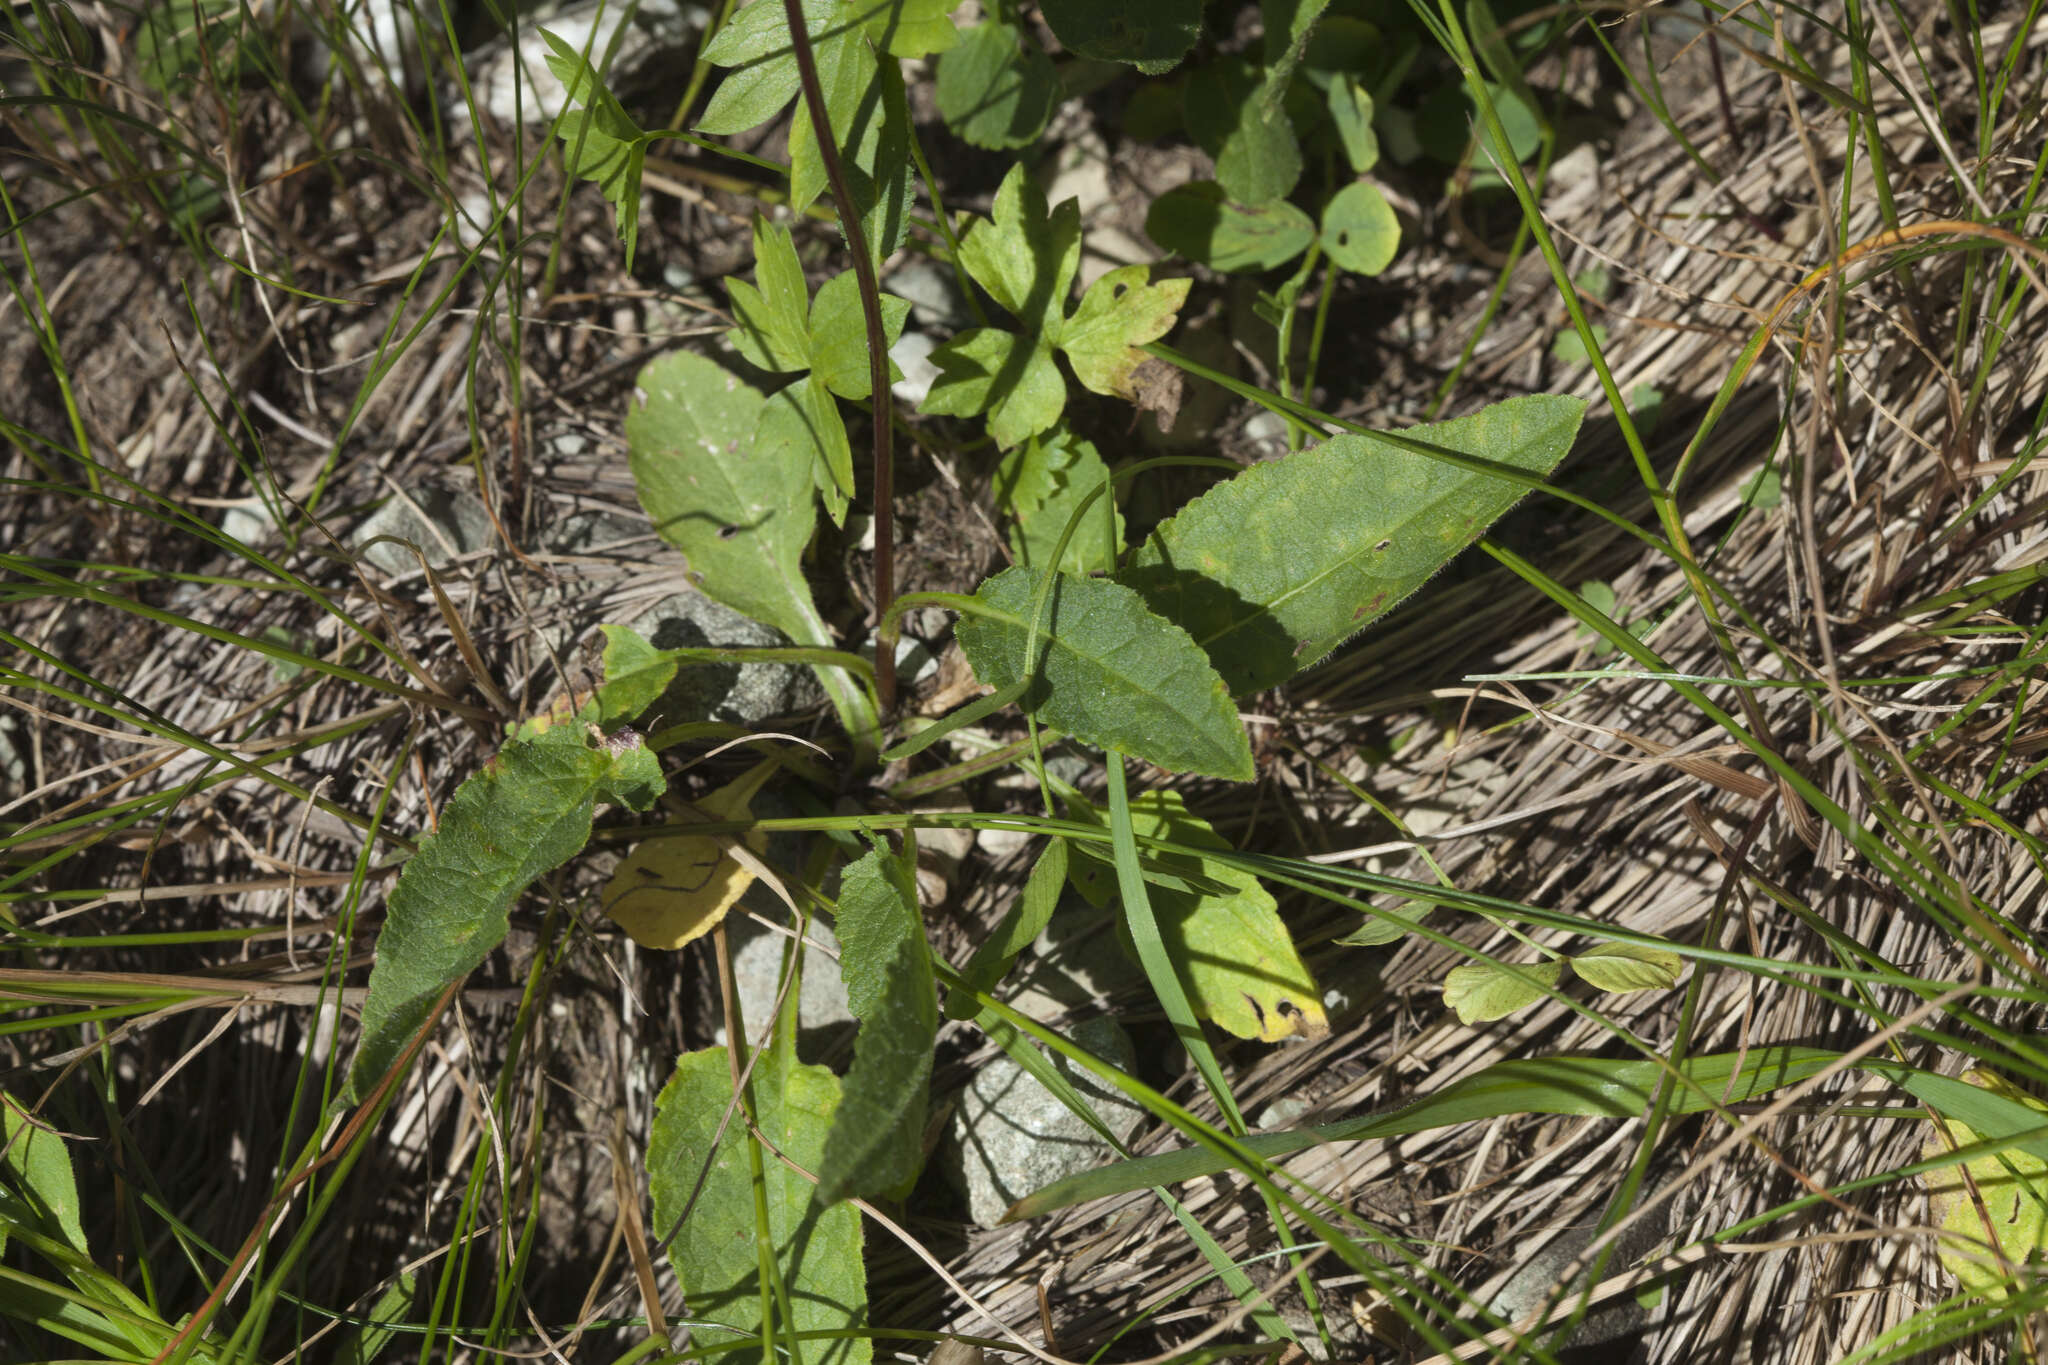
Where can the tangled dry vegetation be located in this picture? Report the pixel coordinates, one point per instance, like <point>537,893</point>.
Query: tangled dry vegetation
<point>1897,404</point>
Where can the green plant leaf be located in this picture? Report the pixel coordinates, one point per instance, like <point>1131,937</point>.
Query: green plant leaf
<point>527,812</point>
<point>1984,1246</point>
<point>601,144</point>
<point>1351,116</point>
<point>1276,567</point>
<point>1021,925</point>
<point>997,89</point>
<point>1025,254</point>
<point>36,1167</point>
<point>1235,955</point>
<point>1288,24</point>
<point>1012,378</point>
<point>1481,991</point>
<point>179,41</point>
<point>1619,968</point>
<point>1199,221</point>
<point>1258,159</point>
<point>1041,484</point>
<point>1589,1087</point>
<point>817,1250</point>
<point>1447,123</point>
<point>773,312</point>
<point>1152,35</point>
<point>803,422</point>
<point>877,1140</point>
<point>741,516</point>
<point>635,675</point>
<point>839,335</point>
<point>1570,348</point>
<point>910,28</point>
<point>1360,232</point>
<point>1112,673</point>
<point>737,506</point>
<point>1119,313</point>
<point>863,100</point>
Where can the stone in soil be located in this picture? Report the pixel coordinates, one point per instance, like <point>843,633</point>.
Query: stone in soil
<point>1011,1136</point>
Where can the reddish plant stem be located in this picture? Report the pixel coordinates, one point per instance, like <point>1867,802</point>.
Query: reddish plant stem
<point>878,358</point>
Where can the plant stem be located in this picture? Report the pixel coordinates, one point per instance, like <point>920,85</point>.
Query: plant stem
<point>878,358</point>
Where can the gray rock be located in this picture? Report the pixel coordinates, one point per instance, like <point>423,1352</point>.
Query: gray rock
<point>589,532</point>
<point>444,524</point>
<point>912,354</point>
<point>1619,1320</point>
<point>934,295</point>
<point>737,694</point>
<point>757,953</point>
<point>1011,1135</point>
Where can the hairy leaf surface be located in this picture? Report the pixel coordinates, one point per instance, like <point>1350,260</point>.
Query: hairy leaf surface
<point>1112,673</point>
<point>1276,567</point>
<point>877,1140</point>
<point>817,1249</point>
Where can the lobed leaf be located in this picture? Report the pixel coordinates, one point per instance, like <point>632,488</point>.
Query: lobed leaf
<point>1112,673</point>
<point>1119,313</point>
<point>877,1141</point>
<point>604,144</point>
<point>1025,254</point>
<point>1041,484</point>
<point>1012,378</point>
<point>1276,567</point>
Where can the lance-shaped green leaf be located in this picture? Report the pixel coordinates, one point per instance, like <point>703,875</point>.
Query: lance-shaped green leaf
<point>1590,1087</point>
<point>1230,946</point>
<point>1023,923</point>
<point>1257,157</point>
<point>1110,672</point>
<point>526,813</point>
<point>877,1140</point>
<point>600,141</point>
<point>817,1250</point>
<point>1276,567</point>
<point>739,507</point>
<point>1152,35</point>
<point>38,1184</point>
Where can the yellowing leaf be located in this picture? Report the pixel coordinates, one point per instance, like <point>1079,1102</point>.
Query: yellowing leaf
<point>1234,953</point>
<point>1619,968</point>
<point>1480,991</point>
<point>1983,1245</point>
<point>672,890</point>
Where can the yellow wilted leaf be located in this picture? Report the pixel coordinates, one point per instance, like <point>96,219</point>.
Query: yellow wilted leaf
<point>673,889</point>
<point>1984,1247</point>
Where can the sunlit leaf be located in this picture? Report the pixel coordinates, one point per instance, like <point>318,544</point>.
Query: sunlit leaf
<point>1985,1243</point>
<point>1482,991</point>
<point>1360,232</point>
<point>701,1179</point>
<point>674,888</point>
<point>1111,672</point>
<point>1619,968</point>
<point>1274,568</point>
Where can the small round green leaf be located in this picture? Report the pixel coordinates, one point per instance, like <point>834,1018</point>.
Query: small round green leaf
<point>1619,968</point>
<point>1359,229</point>
<point>1199,221</point>
<point>997,89</point>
